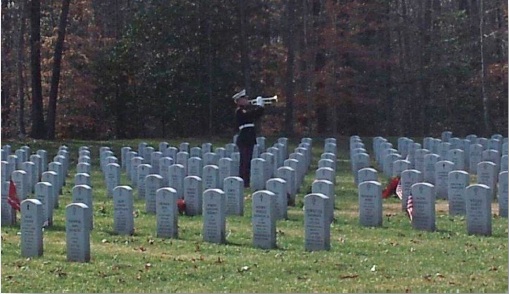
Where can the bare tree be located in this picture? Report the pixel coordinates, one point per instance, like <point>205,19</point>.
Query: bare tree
<point>19,70</point>
<point>290,68</point>
<point>38,127</point>
<point>57,60</point>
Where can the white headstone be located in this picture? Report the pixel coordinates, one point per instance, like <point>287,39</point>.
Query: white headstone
<point>458,182</point>
<point>360,161</point>
<point>182,158</point>
<point>31,228</point>
<point>152,183</point>
<point>234,192</point>
<point>135,162</point>
<point>205,148</point>
<point>399,166</point>
<point>502,194</point>
<point>184,147</point>
<point>423,196</point>
<point>193,195</point>
<point>164,164</point>
<point>367,174</point>
<point>20,179</point>
<point>210,177</point>
<point>154,162</point>
<point>214,216</point>
<point>194,167</point>
<point>8,214</point>
<point>278,187</point>
<point>475,157</point>
<point>59,169</point>
<point>52,178</point>
<point>37,160</point>
<point>83,194</point>
<point>163,146</point>
<point>442,169</point>
<point>44,193</point>
<point>316,223</point>
<point>123,206</point>
<point>478,206</point>
<point>84,168</point>
<point>370,204</point>
<point>457,157</point>
<point>257,176</point>
<point>167,213</point>
<point>430,161</point>
<point>210,158</point>
<point>325,173</point>
<point>264,219</point>
<point>294,164</point>
<point>408,179</point>
<point>330,148</point>
<point>112,176</point>
<point>77,232</point>
<point>260,141</point>
<point>176,174</point>
<point>288,175</point>
<point>419,159</point>
<point>143,172</point>
<point>195,152</point>
<point>171,152</point>
<point>504,163</point>
<point>82,179</point>
<point>123,155</point>
<point>29,168</point>
<point>226,169</point>
<point>487,175</point>
<point>269,165</point>
<point>13,163</point>
<point>326,188</point>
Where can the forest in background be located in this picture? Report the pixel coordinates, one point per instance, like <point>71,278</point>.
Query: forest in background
<point>93,69</point>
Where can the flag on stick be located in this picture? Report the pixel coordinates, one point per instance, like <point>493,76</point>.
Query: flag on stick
<point>410,207</point>
<point>13,199</point>
<point>399,190</point>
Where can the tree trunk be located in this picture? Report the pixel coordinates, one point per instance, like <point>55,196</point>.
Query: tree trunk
<point>289,87</point>
<point>55,78</point>
<point>19,71</point>
<point>485,107</point>
<point>38,128</point>
<point>244,53</point>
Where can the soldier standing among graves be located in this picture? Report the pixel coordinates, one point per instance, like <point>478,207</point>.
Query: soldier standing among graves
<point>245,116</point>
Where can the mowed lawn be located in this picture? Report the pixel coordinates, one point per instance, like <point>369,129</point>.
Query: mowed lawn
<point>392,258</point>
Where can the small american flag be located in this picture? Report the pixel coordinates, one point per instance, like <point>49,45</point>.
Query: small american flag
<point>399,190</point>
<point>410,207</point>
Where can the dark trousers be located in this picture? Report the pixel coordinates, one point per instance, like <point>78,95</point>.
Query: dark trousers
<point>246,154</point>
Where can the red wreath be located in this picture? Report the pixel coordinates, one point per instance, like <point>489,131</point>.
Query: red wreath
<point>391,188</point>
<point>181,205</point>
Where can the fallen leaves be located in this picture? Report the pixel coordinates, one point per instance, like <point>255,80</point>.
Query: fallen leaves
<point>353,276</point>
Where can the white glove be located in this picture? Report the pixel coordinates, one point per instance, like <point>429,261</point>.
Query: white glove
<point>259,101</point>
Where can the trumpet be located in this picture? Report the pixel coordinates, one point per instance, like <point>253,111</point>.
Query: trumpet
<point>266,100</point>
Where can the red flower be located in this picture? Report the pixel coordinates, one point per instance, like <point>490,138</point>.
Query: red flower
<point>391,188</point>
<point>181,205</point>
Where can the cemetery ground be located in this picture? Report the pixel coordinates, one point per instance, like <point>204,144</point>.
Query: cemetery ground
<point>393,258</point>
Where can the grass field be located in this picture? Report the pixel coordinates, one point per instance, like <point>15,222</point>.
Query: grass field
<point>393,258</point>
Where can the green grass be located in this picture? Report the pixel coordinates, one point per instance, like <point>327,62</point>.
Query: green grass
<point>394,258</point>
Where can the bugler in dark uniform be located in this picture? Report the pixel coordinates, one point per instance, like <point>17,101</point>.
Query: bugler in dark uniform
<point>245,116</point>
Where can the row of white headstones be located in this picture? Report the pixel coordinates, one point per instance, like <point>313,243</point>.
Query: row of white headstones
<point>269,199</point>
<point>428,176</point>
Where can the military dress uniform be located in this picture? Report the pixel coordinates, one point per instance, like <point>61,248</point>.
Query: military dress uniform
<point>245,117</point>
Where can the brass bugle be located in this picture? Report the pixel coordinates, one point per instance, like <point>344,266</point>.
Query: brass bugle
<point>266,100</point>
